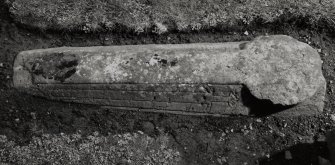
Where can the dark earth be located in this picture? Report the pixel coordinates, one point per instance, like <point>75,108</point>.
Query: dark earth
<point>263,139</point>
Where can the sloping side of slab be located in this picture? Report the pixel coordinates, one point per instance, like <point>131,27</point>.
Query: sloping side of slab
<point>278,69</point>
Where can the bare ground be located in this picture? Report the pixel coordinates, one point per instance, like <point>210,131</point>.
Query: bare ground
<point>201,140</point>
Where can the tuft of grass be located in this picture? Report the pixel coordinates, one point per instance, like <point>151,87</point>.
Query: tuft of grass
<point>129,148</point>
<point>160,16</point>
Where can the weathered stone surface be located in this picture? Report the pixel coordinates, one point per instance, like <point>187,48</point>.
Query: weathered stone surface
<point>204,77</point>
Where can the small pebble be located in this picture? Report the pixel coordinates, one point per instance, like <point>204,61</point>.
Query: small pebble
<point>96,133</point>
<point>332,116</point>
<point>246,33</point>
<point>250,126</point>
<point>33,115</point>
<point>281,134</point>
<point>267,155</point>
<point>223,134</point>
<point>202,89</point>
<point>219,160</point>
<point>288,155</point>
<point>258,120</point>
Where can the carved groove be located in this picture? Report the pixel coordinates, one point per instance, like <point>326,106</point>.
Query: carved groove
<point>193,98</point>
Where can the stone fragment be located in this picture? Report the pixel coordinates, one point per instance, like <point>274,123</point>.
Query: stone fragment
<point>323,161</point>
<point>210,78</point>
<point>148,127</point>
<point>288,155</point>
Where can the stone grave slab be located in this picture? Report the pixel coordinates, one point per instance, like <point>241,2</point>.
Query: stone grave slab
<point>266,75</point>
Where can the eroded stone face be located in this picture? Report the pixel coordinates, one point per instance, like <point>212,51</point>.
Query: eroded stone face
<point>275,68</point>
<point>281,69</point>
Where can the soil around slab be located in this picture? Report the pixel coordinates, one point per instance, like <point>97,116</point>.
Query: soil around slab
<point>138,16</point>
<point>201,140</point>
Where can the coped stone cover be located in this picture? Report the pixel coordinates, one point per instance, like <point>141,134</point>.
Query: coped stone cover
<point>276,68</point>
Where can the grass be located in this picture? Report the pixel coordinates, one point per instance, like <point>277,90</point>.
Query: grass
<point>135,148</point>
<point>160,16</point>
